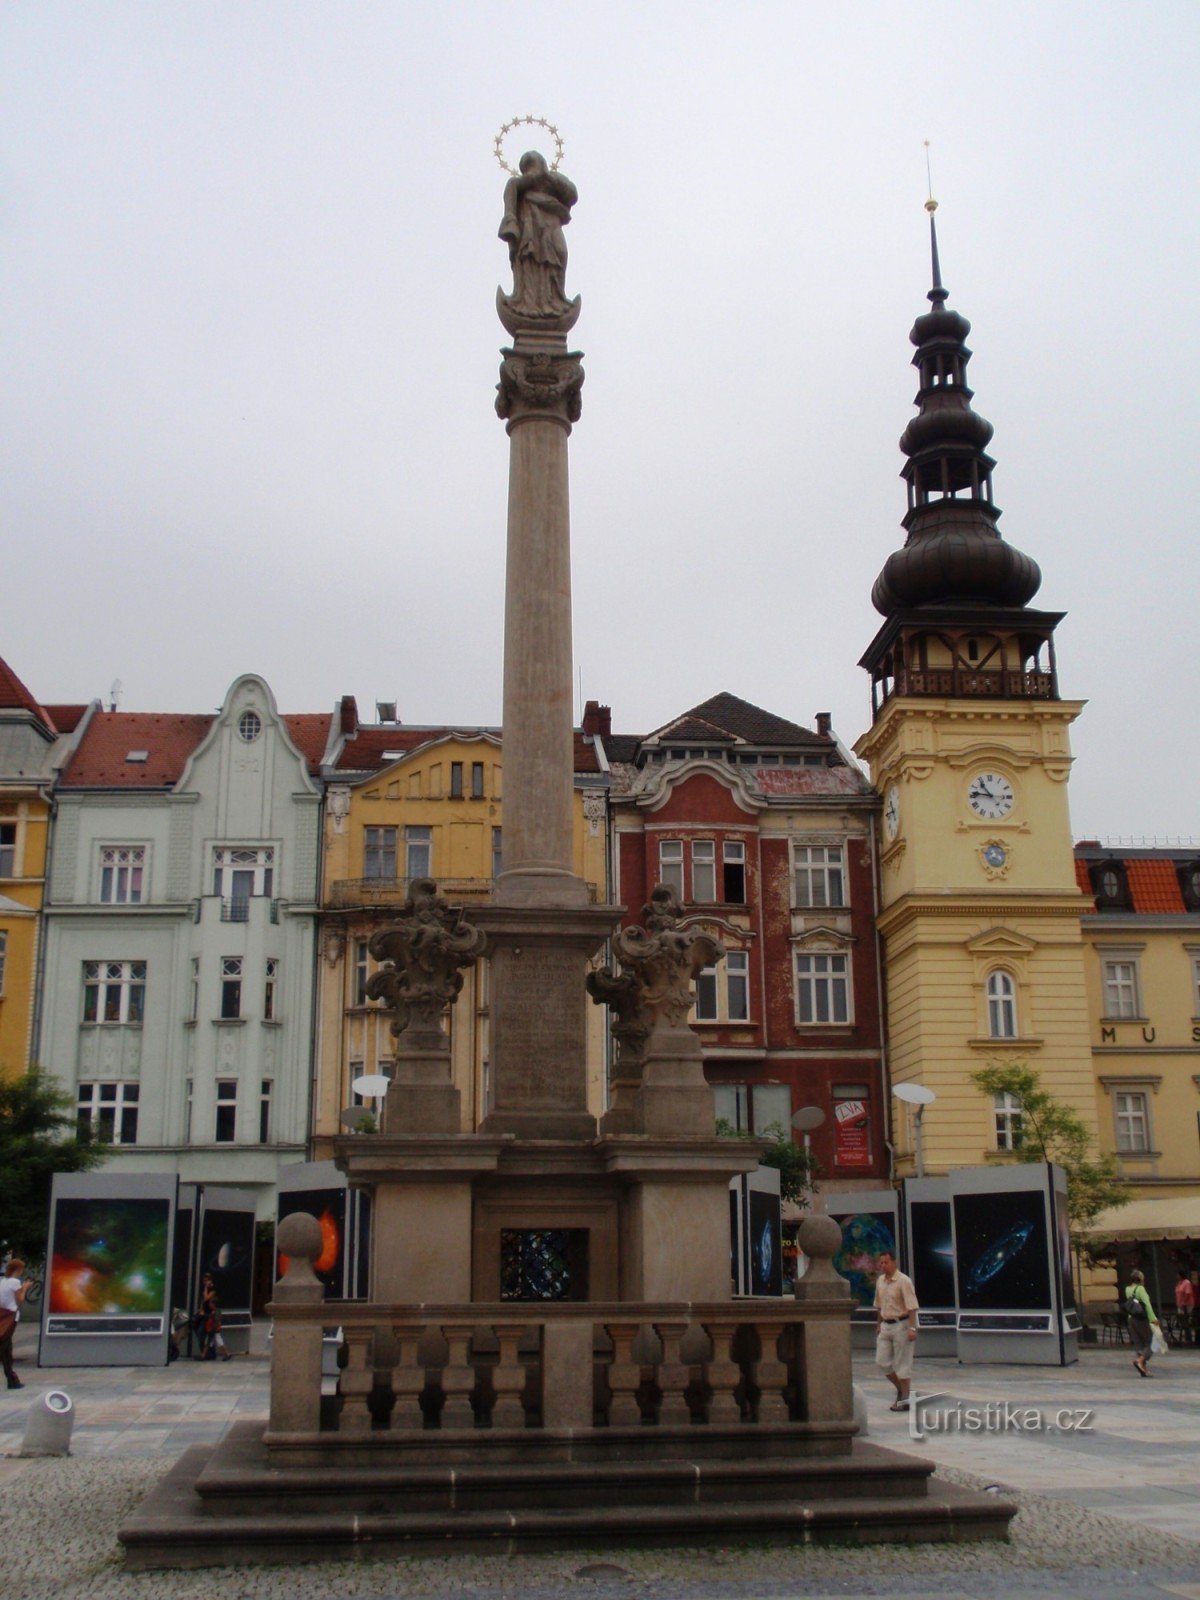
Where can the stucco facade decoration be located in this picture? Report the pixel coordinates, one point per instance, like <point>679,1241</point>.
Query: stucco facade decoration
<point>1142,959</point>
<point>766,831</point>
<point>181,935</point>
<point>405,802</point>
<point>34,742</point>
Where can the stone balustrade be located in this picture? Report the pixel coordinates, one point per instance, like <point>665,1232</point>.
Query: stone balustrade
<point>409,1369</point>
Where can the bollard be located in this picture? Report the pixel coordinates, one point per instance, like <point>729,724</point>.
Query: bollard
<point>48,1426</point>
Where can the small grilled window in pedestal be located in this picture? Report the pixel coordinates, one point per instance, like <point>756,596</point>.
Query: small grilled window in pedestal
<point>543,1264</point>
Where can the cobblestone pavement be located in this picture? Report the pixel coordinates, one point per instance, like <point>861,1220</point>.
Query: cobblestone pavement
<point>1109,1508</point>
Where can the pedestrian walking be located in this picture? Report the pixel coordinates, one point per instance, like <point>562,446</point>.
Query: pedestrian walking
<point>1185,1305</point>
<point>13,1289</point>
<point>1143,1320</point>
<point>211,1344</point>
<point>895,1326</point>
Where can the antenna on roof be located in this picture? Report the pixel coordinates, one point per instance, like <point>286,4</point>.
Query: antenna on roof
<point>114,694</point>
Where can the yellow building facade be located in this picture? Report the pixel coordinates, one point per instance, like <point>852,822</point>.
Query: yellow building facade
<point>433,810</point>
<point>969,746</point>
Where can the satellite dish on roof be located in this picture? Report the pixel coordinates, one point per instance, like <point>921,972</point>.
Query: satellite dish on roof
<point>808,1117</point>
<point>915,1093</point>
<point>372,1086</point>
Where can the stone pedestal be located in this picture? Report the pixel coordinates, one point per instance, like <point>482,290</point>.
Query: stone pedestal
<point>674,1099</point>
<point>422,1099</point>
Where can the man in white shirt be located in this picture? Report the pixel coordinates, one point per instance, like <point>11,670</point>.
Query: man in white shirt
<point>12,1295</point>
<point>895,1326</point>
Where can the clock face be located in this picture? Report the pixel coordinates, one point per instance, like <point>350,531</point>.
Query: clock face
<point>891,812</point>
<point>990,796</point>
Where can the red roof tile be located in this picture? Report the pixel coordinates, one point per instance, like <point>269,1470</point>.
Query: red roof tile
<point>1084,881</point>
<point>101,760</point>
<point>1154,885</point>
<point>15,696</point>
<point>375,746</point>
<point>66,718</point>
<point>310,734</point>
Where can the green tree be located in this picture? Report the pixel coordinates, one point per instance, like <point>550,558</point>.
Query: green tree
<point>37,1139</point>
<point>798,1167</point>
<point>1048,1130</point>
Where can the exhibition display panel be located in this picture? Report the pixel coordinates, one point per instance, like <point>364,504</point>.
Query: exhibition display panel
<point>928,1258</point>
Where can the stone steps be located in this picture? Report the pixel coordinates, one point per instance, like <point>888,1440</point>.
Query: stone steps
<point>227,1504</point>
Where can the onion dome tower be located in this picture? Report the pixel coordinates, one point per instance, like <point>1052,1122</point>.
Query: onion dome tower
<point>955,575</point>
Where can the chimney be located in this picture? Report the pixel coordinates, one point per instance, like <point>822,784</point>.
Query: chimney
<point>597,719</point>
<point>825,723</point>
<point>348,716</point>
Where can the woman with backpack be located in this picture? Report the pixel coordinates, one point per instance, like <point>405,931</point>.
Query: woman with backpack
<point>1142,1320</point>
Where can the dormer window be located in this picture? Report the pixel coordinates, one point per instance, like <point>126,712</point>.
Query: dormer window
<point>1110,885</point>
<point>1189,884</point>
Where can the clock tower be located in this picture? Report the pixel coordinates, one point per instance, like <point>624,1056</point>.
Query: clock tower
<point>969,746</point>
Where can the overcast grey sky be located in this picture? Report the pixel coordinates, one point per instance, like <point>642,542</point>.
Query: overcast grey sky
<point>249,262</point>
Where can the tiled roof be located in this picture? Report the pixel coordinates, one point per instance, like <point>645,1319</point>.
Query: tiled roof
<point>740,720</point>
<point>14,696</point>
<point>100,762</point>
<point>375,746</point>
<point>1154,886</point>
<point>65,718</point>
<point>310,734</point>
<point>1084,881</point>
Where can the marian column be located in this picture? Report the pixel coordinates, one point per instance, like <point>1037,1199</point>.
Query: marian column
<point>541,929</point>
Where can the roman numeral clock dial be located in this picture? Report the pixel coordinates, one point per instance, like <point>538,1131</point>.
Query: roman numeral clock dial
<point>990,796</point>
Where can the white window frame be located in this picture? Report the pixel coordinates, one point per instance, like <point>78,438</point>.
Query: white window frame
<point>379,849</point>
<point>194,1001</point>
<point>360,972</point>
<point>823,982</point>
<point>416,840</point>
<point>9,849</point>
<point>232,972</point>
<point>1195,986</point>
<point>737,979</point>
<point>1002,1004</point>
<point>96,1098</point>
<point>265,1110</point>
<point>733,854</point>
<point>256,860</point>
<point>227,1096</point>
<point>706,1006</point>
<point>1010,1115</point>
<point>1131,1113</point>
<point>124,866</point>
<point>128,978</point>
<point>670,865</point>
<point>819,876</point>
<point>270,988</point>
<point>1122,980</point>
<point>3,957</point>
<point>188,1104</point>
<point>704,872</point>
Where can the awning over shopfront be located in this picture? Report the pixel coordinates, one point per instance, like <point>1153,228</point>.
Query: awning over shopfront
<point>1175,1218</point>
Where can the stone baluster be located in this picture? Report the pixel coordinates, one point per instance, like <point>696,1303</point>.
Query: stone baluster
<point>674,1375</point>
<point>357,1379</point>
<point>624,1376</point>
<point>772,1375</point>
<point>508,1376</point>
<point>724,1374</point>
<point>408,1376</point>
<point>296,1347</point>
<point>458,1377</point>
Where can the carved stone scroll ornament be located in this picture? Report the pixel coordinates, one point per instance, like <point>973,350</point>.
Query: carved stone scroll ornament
<point>423,954</point>
<point>543,384</point>
<point>664,958</point>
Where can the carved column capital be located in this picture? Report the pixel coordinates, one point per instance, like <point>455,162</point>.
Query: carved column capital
<point>423,953</point>
<point>540,383</point>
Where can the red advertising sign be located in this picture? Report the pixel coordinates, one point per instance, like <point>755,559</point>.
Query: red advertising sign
<point>852,1134</point>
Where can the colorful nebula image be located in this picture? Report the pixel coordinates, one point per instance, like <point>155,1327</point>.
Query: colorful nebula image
<point>110,1256</point>
<point>329,1208</point>
<point>865,1234</point>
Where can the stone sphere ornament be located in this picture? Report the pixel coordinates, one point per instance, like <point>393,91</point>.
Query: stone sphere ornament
<point>526,122</point>
<point>299,1237</point>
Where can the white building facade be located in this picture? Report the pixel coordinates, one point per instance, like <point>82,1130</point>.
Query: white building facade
<point>180,937</point>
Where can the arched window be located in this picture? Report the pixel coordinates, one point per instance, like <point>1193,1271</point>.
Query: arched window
<point>1002,1006</point>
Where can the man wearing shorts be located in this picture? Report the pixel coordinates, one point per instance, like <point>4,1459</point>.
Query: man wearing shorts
<point>895,1326</point>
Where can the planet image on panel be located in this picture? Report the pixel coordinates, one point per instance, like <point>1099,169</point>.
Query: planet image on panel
<point>999,1255</point>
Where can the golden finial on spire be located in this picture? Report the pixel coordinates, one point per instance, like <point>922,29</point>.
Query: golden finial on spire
<point>931,203</point>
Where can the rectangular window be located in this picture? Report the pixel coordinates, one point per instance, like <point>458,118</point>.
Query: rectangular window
<point>771,1104</point>
<point>477,780</point>
<point>497,852</point>
<point>456,780</point>
<point>1120,989</point>
<point>114,991</point>
<point>733,859</point>
<point>362,971</point>
<point>3,954</point>
<point>272,975</point>
<point>385,1069</point>
<point>731,1102</point>
<point>194,1003</point>
<point>822,988</point>
<point>187,1113</point>
<point>706,995</point>
<point>418,846</point>
<point>226,1131</point>
<point>231,988</point>
<point>1008,1120</point>
<point>239,874</point>
<point>670,864</point>
<point>8,849</point>
<point>121,870</point>
<point>737,979</point>
<point>1195,986</point>
<point>1132,1112</point>
<point>379,853</point>
<point>704,871</point>
<point>264,1112</point>
<point>819,879</point>
<point>109,1111</point>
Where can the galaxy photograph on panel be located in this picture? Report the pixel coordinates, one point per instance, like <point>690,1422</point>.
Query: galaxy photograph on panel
<point>931,1243</point>
<point>227,1256</point>
<point>109,1256</point>
<point>1001,1252</point>
<point>329,1208</point>
<point>865,1234</point>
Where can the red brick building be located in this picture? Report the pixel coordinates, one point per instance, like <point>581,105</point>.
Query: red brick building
<point>767,831</point>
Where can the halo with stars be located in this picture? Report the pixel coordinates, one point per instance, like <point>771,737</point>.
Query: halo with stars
<point>529,121</point>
